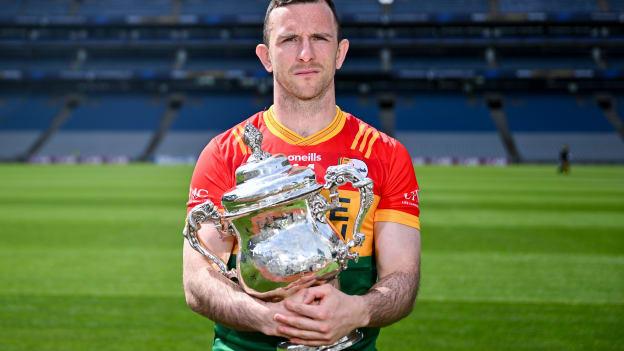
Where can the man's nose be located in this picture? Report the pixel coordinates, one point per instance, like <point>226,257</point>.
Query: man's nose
<point>306,51</point>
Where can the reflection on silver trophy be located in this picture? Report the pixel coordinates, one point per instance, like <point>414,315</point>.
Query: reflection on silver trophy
<point>278,217</point>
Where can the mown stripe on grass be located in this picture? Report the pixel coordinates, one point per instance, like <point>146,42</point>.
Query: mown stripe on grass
<point>76,322</point>
<point>449,326</point>
<point>545,238</point>
<point>487,276</point>
<point>445,276</point>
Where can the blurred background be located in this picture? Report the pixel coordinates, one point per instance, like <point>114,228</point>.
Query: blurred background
<point>457,81</point>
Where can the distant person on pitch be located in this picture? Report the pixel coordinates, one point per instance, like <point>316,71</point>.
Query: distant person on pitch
<point>564,160</point>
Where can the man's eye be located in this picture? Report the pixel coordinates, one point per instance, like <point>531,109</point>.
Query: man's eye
<point>320,38</point>
<point>289,39</point>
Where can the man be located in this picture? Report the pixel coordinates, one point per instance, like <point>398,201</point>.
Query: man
<point>302,49</point>
<point>564,160</point>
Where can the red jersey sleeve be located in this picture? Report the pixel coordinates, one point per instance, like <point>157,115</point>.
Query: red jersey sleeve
<point>399,193</point>
<point>211,177</point>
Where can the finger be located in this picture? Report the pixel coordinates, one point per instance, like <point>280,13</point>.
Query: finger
<point>314,293</point>
<point>301,323</point>
<point>311,311</point>
<point>311,297</point>
<point>304,336</point>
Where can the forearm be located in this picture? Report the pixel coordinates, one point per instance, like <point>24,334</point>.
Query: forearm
<point>214,296</point>
<point>392,297</point>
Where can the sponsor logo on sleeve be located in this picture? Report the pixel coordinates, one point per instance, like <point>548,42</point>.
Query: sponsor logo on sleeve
<point>411,198</point>
<point>198,194</point>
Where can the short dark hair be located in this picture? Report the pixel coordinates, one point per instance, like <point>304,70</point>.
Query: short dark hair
<point>281,3</point>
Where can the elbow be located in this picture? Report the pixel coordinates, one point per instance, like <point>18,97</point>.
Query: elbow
<point>192,300</point>
<point>409,309</point>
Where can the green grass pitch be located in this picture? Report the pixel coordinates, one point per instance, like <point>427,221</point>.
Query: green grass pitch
<point>514,258</point>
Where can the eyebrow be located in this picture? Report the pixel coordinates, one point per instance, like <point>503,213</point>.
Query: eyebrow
<point>293,35</point>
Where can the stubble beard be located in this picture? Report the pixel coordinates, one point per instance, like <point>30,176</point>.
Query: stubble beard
<point>294,92</point>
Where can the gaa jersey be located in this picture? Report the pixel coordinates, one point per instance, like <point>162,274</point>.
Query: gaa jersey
<point>346,140</point>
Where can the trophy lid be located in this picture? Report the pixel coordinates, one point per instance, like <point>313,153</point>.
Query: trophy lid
<point>266,180</point>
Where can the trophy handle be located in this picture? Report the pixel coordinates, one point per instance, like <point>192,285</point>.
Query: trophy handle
<point>340,175</point>
<point>203,213</point>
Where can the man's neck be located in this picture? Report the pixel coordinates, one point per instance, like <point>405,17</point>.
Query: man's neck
<point>305,117</point>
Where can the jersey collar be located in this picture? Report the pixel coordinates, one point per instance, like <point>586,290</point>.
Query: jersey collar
<point>291,137</point>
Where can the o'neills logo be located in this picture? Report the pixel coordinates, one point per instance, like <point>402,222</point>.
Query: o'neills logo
<point>311,157</point>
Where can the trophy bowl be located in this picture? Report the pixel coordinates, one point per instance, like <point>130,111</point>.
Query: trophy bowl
<point>279,220</point>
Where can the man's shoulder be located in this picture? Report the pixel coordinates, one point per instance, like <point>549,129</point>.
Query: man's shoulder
<point>363,133</point>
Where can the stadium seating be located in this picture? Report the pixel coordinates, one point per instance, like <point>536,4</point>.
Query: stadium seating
<point>445,125</point>
<point>547,6</point>
<point>22,118</point>
<point>616,5</point>
<point>245,7</point>
<point>42,7</point>
<point>255,8</point>
<point>127,68</point>
<point>125,7</point>
<point>108,125</point>
<point>542,124</point>
<point>464,6</point>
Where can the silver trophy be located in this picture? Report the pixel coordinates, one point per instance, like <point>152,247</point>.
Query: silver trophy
<point>278,216</point>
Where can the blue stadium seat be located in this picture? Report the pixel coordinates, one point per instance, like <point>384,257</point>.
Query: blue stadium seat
<point>440,6</point>
<point>125,7</point>
<point>48,64</point>
<point>44,7</point>
<point>616,5</point>
<point>216,112</point>
<point>442,112</point>
<point>240,7</point>
<point>117,113</point>
<point>554,113</point>
<point>350,7</point>
<point>421,62</point>
<point>129,63</point>
<point>24,112</point>
<point>525,6</point>
<point>547,62</point>
<point>201,64</point>
<point>9,7</point>
<point>365,108</point>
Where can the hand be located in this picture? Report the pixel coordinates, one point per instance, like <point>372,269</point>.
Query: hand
<point>270,325</point>
<point>322,316</point>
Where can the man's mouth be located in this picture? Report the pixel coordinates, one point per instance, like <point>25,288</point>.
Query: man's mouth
<point>306,72</point>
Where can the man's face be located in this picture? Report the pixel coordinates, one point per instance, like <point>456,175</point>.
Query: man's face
<point>303,51</point>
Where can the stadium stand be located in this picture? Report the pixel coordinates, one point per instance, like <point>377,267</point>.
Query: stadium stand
<point>527,6</point>
<point>465,78</point>
<point>22,118</point>
<point>108,125</point>
<point>407,6</point>
<point>541,124</point>
<point>444,125</point>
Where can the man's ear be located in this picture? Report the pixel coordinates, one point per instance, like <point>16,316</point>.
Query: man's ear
<point>262,51</point>
<point>343,47</point>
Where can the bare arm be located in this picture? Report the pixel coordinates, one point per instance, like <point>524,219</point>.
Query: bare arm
<point>326,314</point>
<point>392,298</point>
<point>212,295</point>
